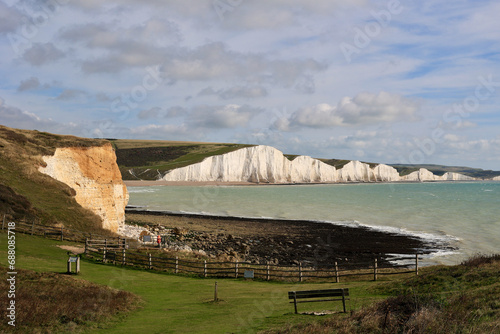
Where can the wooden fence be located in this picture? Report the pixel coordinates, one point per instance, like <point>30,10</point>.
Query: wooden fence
<point>57,233</point>
<point>115,251</point>
<point>236,269</point>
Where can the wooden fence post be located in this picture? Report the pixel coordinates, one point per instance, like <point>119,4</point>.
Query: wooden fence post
<point>416,264</point>
<point>124,257</point>
<point>150,261</point>
<point>105,244</point>
<point>267,271</point>
<point>300,271</point>
<point>86,245</point>
<point>176,264</point>
<point>205,268</point>
<point>375,270</point>
<point>62,233</point>
<point>336,272</point>
<point>236,269</point>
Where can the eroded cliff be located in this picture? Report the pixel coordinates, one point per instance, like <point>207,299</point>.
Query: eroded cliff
<point>94,175</point>
<point>265,164</point>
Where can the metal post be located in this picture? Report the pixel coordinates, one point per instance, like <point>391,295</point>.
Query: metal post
<point>205,269</point>
<point>150,261</point>
<point>176,264</point>
<point>104,255</point>
<point>105,244</point>
<point>86,245</point>
<point>267,271</point>
<point>236,269</point>
<point>336,272</point>
<point>124,259</point>
<point>375,270</point>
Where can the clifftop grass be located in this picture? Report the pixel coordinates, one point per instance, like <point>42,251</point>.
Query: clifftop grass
<point>150,159</point>
<point>28,194</point>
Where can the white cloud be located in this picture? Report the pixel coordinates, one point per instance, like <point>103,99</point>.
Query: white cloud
<point>219,117</point>
<point>364,108</point>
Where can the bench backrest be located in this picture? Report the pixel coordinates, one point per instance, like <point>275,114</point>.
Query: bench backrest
<point>318,293</point>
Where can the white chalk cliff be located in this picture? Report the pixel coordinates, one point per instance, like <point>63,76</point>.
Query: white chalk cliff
<point>259,164</point>
<point>496,178</point>
<point>265,164</point>
<point>94,175</point>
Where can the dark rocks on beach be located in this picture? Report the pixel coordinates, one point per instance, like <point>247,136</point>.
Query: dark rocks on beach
<point>285,242</point>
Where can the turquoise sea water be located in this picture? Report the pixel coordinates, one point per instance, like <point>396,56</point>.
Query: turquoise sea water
<point>465,215</point>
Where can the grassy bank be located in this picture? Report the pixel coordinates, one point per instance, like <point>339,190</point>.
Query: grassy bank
<point>466,296</point>
<point>179,304</point>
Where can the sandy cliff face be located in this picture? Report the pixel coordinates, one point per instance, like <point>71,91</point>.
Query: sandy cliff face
<point>94,175</point>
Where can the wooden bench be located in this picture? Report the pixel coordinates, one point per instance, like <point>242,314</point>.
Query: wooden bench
<point>313,294</point>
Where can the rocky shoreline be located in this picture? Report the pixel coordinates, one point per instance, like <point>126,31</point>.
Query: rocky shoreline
<point>284,242</point>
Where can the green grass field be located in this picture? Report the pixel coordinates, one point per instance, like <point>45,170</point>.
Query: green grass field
<point>179,304</point>
<point>455,299</point>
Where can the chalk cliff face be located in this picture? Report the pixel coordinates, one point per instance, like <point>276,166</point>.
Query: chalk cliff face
<point>94,175</point>
<point>449,176</point>
<point>422,175</point>
<point>262,164</point>
<point>265,164</point>
<point>496,178</point>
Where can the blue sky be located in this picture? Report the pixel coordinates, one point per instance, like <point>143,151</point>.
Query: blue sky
<point>380,81</point>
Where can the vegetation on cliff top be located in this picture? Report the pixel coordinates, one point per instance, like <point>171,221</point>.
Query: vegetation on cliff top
<point>149,159</point>
<point>25,193</point>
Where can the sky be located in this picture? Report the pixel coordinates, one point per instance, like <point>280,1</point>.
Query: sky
<point>379,81</point>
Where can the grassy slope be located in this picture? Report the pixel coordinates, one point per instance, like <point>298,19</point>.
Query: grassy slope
<point>30,194</point>
<point>150,158</point>
<point>179,304</point>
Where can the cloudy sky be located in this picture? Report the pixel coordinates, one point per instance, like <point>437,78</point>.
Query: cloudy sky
<point>381,81</point>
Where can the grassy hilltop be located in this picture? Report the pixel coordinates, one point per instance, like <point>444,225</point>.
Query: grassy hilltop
<point>147,159</point>
<point>25,193</point>
<point>151,159</point>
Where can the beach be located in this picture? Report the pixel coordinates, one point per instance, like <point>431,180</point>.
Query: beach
<point>285,242</point>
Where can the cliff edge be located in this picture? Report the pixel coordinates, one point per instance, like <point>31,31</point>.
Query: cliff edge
<point>94,175</point>
<point>265,164</point>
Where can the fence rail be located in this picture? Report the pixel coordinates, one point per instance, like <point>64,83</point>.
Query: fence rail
<point>115,251</point>
<point>267,271</point>
<point>58,233</point>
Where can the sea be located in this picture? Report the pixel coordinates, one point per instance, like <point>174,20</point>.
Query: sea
<point>462,215</point>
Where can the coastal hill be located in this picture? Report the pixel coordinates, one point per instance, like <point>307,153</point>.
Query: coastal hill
<point>60,181</point>
<point>154,160</point>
